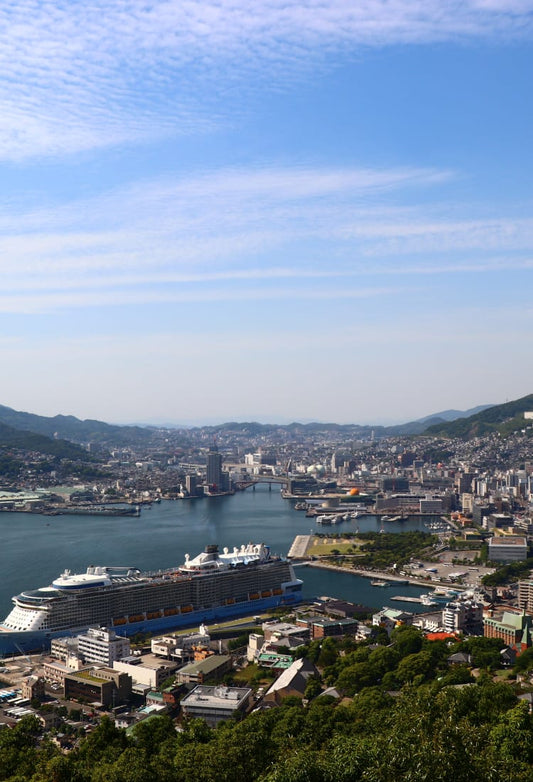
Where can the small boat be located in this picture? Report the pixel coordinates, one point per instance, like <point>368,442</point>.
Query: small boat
<point>379,583</point>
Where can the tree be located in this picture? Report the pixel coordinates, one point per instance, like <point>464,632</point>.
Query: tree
<point>106,743</point>
<point>407,640</point>
<point>512,737</point>
<point>384,659</point>
<point>328,653</point>
<point>457,674</point>
<point>353,678</point>
<point>149,734</point>
<point>414,666</point>
<point>485,651</point>
<point>524,662</point>
<point>313,688</point>
<point>196,731</point>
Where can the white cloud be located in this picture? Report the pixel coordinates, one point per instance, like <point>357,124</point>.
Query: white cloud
<point>76,76</point>
<point>234,233</point>
<point>31,304</point>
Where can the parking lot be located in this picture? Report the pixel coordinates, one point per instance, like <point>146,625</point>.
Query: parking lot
<point>451,567</point>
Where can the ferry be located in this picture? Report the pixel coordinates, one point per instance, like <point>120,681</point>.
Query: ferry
<point>211,587</point>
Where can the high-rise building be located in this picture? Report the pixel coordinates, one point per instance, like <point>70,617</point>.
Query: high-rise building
<point>214,467</point>
<point>525,595</point>
<point>191,485</point>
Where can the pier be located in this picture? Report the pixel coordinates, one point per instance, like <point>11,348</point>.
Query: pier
<point>298,549</point>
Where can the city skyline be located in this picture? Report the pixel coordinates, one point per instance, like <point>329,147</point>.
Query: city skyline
<point>307,211</point>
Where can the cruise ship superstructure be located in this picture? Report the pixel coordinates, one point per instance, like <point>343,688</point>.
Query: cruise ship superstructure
<point>210,587</point>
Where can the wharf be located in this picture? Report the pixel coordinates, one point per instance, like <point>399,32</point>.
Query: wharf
<point>92,510</point>
<point>374,574</point>
<point>407,599</point>
<point>299,547</point>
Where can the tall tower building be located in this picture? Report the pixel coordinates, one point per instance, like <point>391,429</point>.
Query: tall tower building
<point>214,467</point>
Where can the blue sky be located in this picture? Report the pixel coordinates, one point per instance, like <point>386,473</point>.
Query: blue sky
<point>279,211</point>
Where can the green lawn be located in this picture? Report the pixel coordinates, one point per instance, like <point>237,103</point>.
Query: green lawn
<point>323,546</point>
<point>252,674</point>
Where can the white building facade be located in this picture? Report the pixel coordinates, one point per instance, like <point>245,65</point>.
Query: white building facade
<point>102,646</point>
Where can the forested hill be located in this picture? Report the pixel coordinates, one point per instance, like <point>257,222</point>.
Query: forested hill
<point>408,715</point>
<point>504,418</point>
<point>68,427</point>
<point>30,441</point>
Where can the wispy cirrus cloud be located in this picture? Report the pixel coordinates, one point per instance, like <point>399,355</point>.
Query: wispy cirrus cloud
<point>36,303</point>
<point>236,233</point>
<point>78,76</point>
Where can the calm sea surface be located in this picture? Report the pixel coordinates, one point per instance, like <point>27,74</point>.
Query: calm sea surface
<point>36,549</point>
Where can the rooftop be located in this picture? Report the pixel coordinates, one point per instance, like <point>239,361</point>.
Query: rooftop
<point>217,697</point>
<point>508,540</point>
<point>207,665</point>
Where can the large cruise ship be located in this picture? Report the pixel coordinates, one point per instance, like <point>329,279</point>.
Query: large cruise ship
<point>210,587</point>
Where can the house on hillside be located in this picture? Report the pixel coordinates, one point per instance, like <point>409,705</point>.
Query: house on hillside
<point>293,681</point>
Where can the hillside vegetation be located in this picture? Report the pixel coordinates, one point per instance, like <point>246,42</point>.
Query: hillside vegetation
<point>18,439</point>
<point>404,717</point>
<point>69,427</point>
<point>505,418</point>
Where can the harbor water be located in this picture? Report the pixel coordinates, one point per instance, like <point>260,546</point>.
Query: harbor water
<point>36,549</point>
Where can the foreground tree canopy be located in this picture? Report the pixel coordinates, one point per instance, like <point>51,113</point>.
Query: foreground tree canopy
<point>425,733</point>
<point>410,715</point>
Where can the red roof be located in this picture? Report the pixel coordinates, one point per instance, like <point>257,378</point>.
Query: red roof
<point>441,636</point>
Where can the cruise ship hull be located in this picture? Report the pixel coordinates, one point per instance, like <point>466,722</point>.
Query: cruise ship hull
<point>21,642</point>
<point>137,603</point>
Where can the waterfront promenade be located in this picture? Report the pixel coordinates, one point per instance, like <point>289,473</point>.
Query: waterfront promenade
<point>298,549</point>
<point>377,574</point>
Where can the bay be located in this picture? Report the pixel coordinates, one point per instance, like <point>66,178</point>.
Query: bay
<point>35,549</point>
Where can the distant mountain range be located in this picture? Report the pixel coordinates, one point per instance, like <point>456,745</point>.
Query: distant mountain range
<point>452,415</point>
<point>254,428</point>
<point>49,434</point>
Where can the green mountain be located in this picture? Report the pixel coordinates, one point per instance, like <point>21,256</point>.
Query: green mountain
<point>68,427</point>
<point>504,419</point>
<point>30,441</point>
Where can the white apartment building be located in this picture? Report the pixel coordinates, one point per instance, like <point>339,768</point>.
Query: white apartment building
<point>102,646</point>
<point>462,615</point>
<point>149,674</point>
